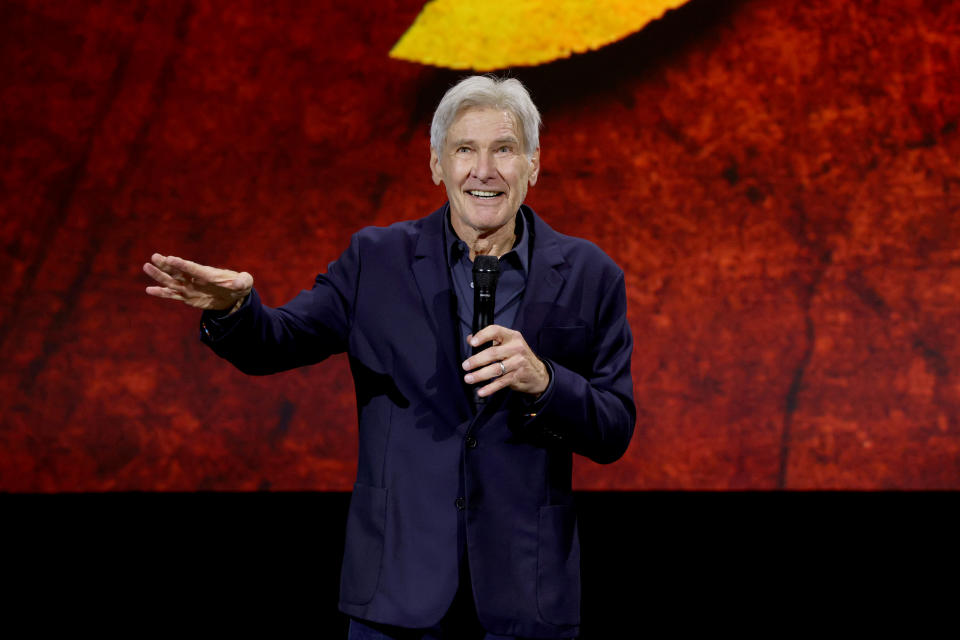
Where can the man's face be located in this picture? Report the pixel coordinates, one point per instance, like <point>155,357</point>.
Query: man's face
<point>484,169</point>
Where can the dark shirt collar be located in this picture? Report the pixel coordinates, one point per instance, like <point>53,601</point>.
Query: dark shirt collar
<point>519,254</point>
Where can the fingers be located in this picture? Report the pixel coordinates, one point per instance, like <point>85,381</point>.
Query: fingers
<point>160,269</point>
<point>498,383</point>
<point>191,269</point>
<point>491,371</point>
<point>493,354</point>
<point>158,259</point>
<point>509,363</point>
<point>183,270</point>
<point>160,276</point>
<point>517,373</point>
<point>170,289</point>
<point>196,284</point>
<point>164,292</point>
<point>491,333</point>
<point>161,263</point>
<point>501,337</point>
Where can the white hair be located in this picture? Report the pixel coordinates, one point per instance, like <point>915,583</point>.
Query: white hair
<point>488,91</point>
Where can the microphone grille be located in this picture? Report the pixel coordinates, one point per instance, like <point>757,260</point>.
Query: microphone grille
<point>486,271</point>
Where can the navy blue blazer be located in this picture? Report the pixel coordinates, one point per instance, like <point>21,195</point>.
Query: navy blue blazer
<point>389,302</point>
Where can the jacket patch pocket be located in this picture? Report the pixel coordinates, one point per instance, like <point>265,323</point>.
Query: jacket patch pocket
<point>362,555</point>
<point>566,346</point>
<point>558,566</point>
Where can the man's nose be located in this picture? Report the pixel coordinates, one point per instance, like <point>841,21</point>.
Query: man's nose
<point>483,168</point>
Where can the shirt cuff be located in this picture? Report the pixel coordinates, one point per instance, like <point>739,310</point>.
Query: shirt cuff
<point>536,405</point>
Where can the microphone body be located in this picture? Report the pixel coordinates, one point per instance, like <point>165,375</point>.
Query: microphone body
<point>486,273</point>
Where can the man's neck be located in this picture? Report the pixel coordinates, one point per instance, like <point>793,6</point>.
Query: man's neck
<point>488,243</point>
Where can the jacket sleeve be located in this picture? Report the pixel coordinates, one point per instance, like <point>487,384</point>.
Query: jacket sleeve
<point>593,413</point>
<point>260,340</point>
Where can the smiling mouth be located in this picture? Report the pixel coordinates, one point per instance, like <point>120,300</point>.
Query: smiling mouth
<point>484,195</point>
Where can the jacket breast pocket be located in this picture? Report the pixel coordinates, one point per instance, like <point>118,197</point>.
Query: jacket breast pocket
<point>363,552</point>
<point>566,346</point>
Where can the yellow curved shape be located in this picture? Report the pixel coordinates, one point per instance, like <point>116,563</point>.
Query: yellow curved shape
<point>495,34</point>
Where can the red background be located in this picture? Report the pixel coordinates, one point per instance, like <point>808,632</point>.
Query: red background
<point>779,180</point>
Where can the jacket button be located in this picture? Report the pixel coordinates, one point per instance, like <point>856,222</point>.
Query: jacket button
<point>460,503</point>
<point>471,442</point>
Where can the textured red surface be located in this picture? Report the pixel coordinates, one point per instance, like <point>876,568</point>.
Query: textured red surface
<point>778,179</point>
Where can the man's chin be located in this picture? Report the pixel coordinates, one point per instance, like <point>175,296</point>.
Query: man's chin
<point>485,218</point>
<point>489,223</point>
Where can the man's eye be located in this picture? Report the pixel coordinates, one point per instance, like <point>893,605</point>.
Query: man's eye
<point>463,149</point>
<point>504,149</point>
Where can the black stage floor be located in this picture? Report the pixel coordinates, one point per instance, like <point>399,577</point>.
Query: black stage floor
<point>650,560</point>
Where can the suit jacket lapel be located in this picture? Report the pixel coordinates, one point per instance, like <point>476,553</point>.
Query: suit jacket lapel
<point>544,280</point>
<point>432,275</point>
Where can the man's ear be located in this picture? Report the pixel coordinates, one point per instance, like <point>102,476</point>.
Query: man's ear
<point>534,167</point>
<point>436,172</point>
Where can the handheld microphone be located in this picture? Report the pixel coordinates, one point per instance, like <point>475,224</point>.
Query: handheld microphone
<point>486,272</point>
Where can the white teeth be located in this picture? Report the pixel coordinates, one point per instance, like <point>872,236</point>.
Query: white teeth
<point>484,194</point>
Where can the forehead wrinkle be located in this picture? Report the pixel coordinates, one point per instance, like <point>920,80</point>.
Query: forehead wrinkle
<point>515,125</point>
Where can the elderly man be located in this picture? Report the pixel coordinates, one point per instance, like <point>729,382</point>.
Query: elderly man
<point>461,523</point>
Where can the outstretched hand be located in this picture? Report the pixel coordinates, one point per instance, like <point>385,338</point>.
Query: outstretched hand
<point>195,284</point>
<point>508,363</point>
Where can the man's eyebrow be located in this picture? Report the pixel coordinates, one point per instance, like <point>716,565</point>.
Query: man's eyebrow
<point>469,142</point>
